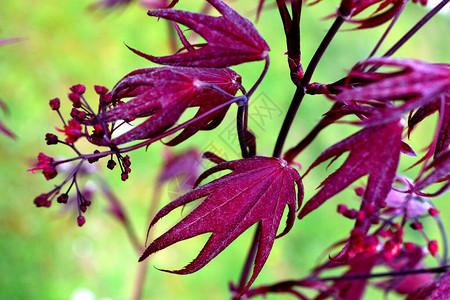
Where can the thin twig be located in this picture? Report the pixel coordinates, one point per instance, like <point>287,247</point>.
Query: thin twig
<point>300,91</point>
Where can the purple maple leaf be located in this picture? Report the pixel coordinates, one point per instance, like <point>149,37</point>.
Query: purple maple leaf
<point>439,289</point>
<point>164,94</point>
<point>231,39</point>
<point>443,106</point>
<point>416,83</point>
<point>441,171</point>
<point>257,190</point>
<point>374,150</point>
<point>382,14</point>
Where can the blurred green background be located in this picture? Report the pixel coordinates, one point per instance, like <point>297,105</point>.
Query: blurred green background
<point>44,255</point>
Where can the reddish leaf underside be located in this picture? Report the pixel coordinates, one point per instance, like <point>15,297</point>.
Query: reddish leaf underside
<point>231,39</point>
<point>164,94</point>
<point>373,150</point>
<point>257,190</point>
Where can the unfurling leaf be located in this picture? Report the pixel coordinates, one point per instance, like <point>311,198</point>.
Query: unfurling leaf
<point>231,39</point>
<point>164,94</point>
<point>256,191</point>
<point>374,150</point>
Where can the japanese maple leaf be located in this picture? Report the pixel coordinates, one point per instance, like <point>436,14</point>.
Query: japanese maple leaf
<point>439,289</point>
<point>374,150</point>
<point>440,173</point>
<point>382,14</point>
<point>256,191</point>
<point>231,39</point>
<point>416,83</point>
<point>443,106</point>
<point>164,94</point>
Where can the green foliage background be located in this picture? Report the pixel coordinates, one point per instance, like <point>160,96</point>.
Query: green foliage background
<point>44,255</point>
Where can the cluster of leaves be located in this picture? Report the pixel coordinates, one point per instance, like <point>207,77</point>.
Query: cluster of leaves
<point>259,188</point>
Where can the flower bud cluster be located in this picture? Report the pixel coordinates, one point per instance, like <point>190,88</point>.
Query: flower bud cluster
<point>388,238</point>
<point>77,127</point>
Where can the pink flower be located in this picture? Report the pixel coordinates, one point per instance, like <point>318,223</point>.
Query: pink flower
<point>72,131</point>
<point>46,164</point>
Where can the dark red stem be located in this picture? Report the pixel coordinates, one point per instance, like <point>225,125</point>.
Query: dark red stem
<point>300,91</point>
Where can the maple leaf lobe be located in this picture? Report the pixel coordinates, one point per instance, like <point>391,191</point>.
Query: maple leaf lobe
<point>231,39</point>
<point>256,191</point>
<point>374,150</point>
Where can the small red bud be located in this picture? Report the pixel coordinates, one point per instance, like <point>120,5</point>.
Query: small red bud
<point>78,89</point>
<point>124,176</point>
<point>62,198</point>
<point>81,220</point>
<point>55,104</point>
<point>341,208</point>
<point>126,161</point>
<point>360,215</point>
<point>351,214</point>
<point>95,159</point>
<point>433,247</point>
<point>416,226</point>
<point>359,191</point>
<point>409,246</point>
<point>51,139</point>
<point>111,164</point>
<point>75,98</point>
<point>433,211</point>
<point>100,89</point>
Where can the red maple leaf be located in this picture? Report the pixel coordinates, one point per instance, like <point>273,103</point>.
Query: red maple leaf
<point>439,289</point>
<point>231,39</point>
<point>256,191</point>
<point>382,14</point>
<point>374,150</point>
<point>443,106</point>
<point>164,94</point>
<point>415,82</point>
<point>440,173</point>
